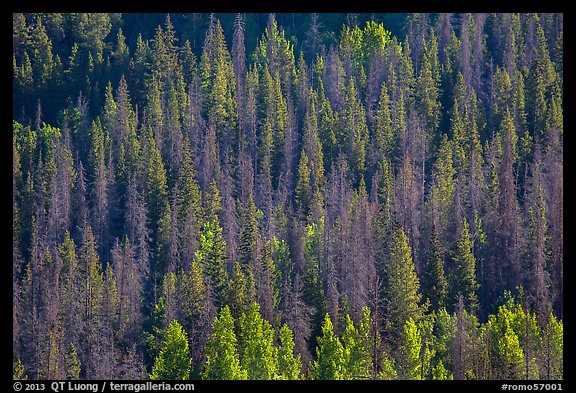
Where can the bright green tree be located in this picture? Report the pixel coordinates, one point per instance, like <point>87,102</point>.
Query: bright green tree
<point>173,362</point>
<point>552,349</point>
<point>222,358</point>
<point>410,357</point>
<point>403,289</point>
<point>289,365</point>
<point>358,343</point>
<point>256,345</point>
<point>330,360</point>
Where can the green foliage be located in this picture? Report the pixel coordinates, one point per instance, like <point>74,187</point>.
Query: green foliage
<point>358,344</point>
<point>154,333</point>
<point>403,289</point>
<point>212,257</point>
<point>355,131</point>
<point>436,285</point>
<point>256,345</point>
<point>463,277</point>
<point>156,186</point>
<point>18,371</point>
<point>173,362</point>
<point>288,363</point>
<point>273,193</point>
<point>222,358</point>
<point>358,44</point>
<point>248,247</point>
<point>410,362</point>
<point>330,362</point>
<point>553,344</point>
<point>241,290</point>
<point>72,363</point>
<point>303,193</point>
<point>439,372</point>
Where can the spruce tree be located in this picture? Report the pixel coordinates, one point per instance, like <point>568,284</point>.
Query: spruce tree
<point>463,277</point>
<point>173,362</point>
<point>410,356</point>
<point>330,360</point>
<point>403,289</point>
<point>222,359</point>
<point>435,284</point>
<point>256,345</point>
<point>288,363</point>
<point>212,257</point>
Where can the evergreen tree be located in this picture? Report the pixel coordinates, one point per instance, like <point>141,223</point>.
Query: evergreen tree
<point>355,131</point>
<point>248,247</point>
<point>553,342</point>
<point>212,257</point>
<point>188,205</point>
<point>222,359</point>
<point>256,345</point>
<point>174,361</point>
<point>241,291</point>
<point>403,289</point>
<point>288,363</point>
<point>303,190</point>
<point>463,277</point>
<point>410,364</point>
<point>156,188</point>
<point>359,347</point>
<point>435,284</point>
<point>330,362</point>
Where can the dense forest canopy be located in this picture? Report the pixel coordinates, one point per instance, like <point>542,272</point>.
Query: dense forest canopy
<point>291,196</point>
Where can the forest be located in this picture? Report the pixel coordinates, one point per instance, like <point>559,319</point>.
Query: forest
<point>287,196</point>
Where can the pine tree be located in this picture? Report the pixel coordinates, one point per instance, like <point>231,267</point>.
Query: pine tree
<point>256,345</point>
<point>383,132</point>
<point>188,205</point>
<point>410,352</point>
<point>463,277</point>
<point>553,342</point>
<point>303,194</point>
<point>92,295</point>
<point>435,286</point>
<point>403,289</point>
<point>72,363</point>
<point>355,131</point>
<point>222,359</point>
<point>248,247</point>
<point>212,257</point>
<point>330,360</point>
<point>156,188</point>
<point>288,363</point>
<point>443,186</point>
<point>194,310</point>
<point>359,347</point>
<point>174,361</point>
<point>241,291</point>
